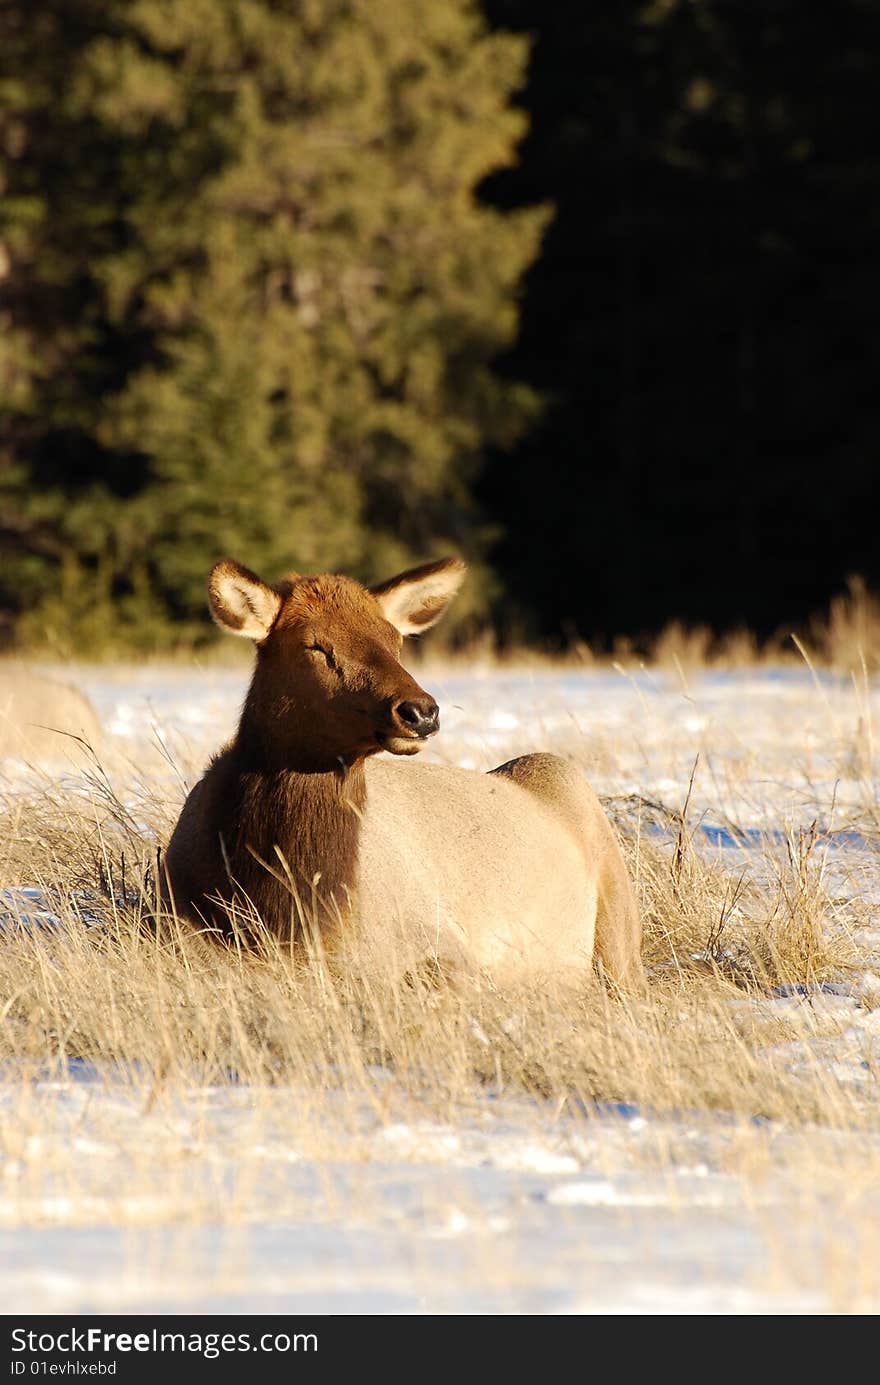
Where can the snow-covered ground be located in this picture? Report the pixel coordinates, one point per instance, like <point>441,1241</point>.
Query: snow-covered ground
<point>509,1207</point>
<point>619,1212</point>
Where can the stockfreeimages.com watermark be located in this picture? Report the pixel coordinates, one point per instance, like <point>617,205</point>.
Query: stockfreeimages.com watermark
<point>96,1341</point>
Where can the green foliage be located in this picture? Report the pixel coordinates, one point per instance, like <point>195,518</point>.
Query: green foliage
<point>254,295</point>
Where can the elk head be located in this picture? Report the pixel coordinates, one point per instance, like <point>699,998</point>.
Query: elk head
<point>328,687</point>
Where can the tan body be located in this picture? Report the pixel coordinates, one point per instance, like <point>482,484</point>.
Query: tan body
<point>41,718</point>
<point>301,821</point>
<point>515,872</point>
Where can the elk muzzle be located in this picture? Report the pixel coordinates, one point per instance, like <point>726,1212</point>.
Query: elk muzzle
<point>421,717</point>
<point>412,722</point>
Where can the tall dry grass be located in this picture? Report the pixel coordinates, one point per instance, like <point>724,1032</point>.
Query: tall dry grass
<point>115,983</point>
<point>224,1065</point>
<point>844,638</point>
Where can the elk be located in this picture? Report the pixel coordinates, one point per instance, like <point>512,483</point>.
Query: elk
<point>43,719</point>
<point>511,873</point>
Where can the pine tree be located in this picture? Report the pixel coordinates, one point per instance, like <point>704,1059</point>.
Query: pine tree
<point>292,296</point>
<point>61,200</point>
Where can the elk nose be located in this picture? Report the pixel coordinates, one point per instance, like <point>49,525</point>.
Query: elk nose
<point>423,716</point>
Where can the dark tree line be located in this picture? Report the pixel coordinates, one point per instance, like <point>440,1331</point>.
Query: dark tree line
<point>261,261</point>
<point>704,318</point>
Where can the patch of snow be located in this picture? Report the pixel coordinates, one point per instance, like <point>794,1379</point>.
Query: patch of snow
<point>215,1204</point>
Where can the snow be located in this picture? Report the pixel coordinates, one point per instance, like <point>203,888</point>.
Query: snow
<point>475,1218</point>
<point>506,1207</point>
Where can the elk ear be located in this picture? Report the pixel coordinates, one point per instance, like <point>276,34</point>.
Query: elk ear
<point>241,603</point>
<point>416,599</point>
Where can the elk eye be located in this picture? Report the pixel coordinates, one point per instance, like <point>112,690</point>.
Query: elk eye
<point>322,649</point>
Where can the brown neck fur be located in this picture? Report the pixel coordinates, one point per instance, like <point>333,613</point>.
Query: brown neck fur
<point>267,743</point>
<point>294,833</point>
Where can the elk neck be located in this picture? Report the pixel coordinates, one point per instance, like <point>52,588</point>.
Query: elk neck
<point>301,802</point>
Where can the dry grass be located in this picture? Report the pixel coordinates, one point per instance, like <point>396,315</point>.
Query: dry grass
<point>115,985</point>
<point>844,638</point>
<point>848,637</point>
<point>307,1059</point>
